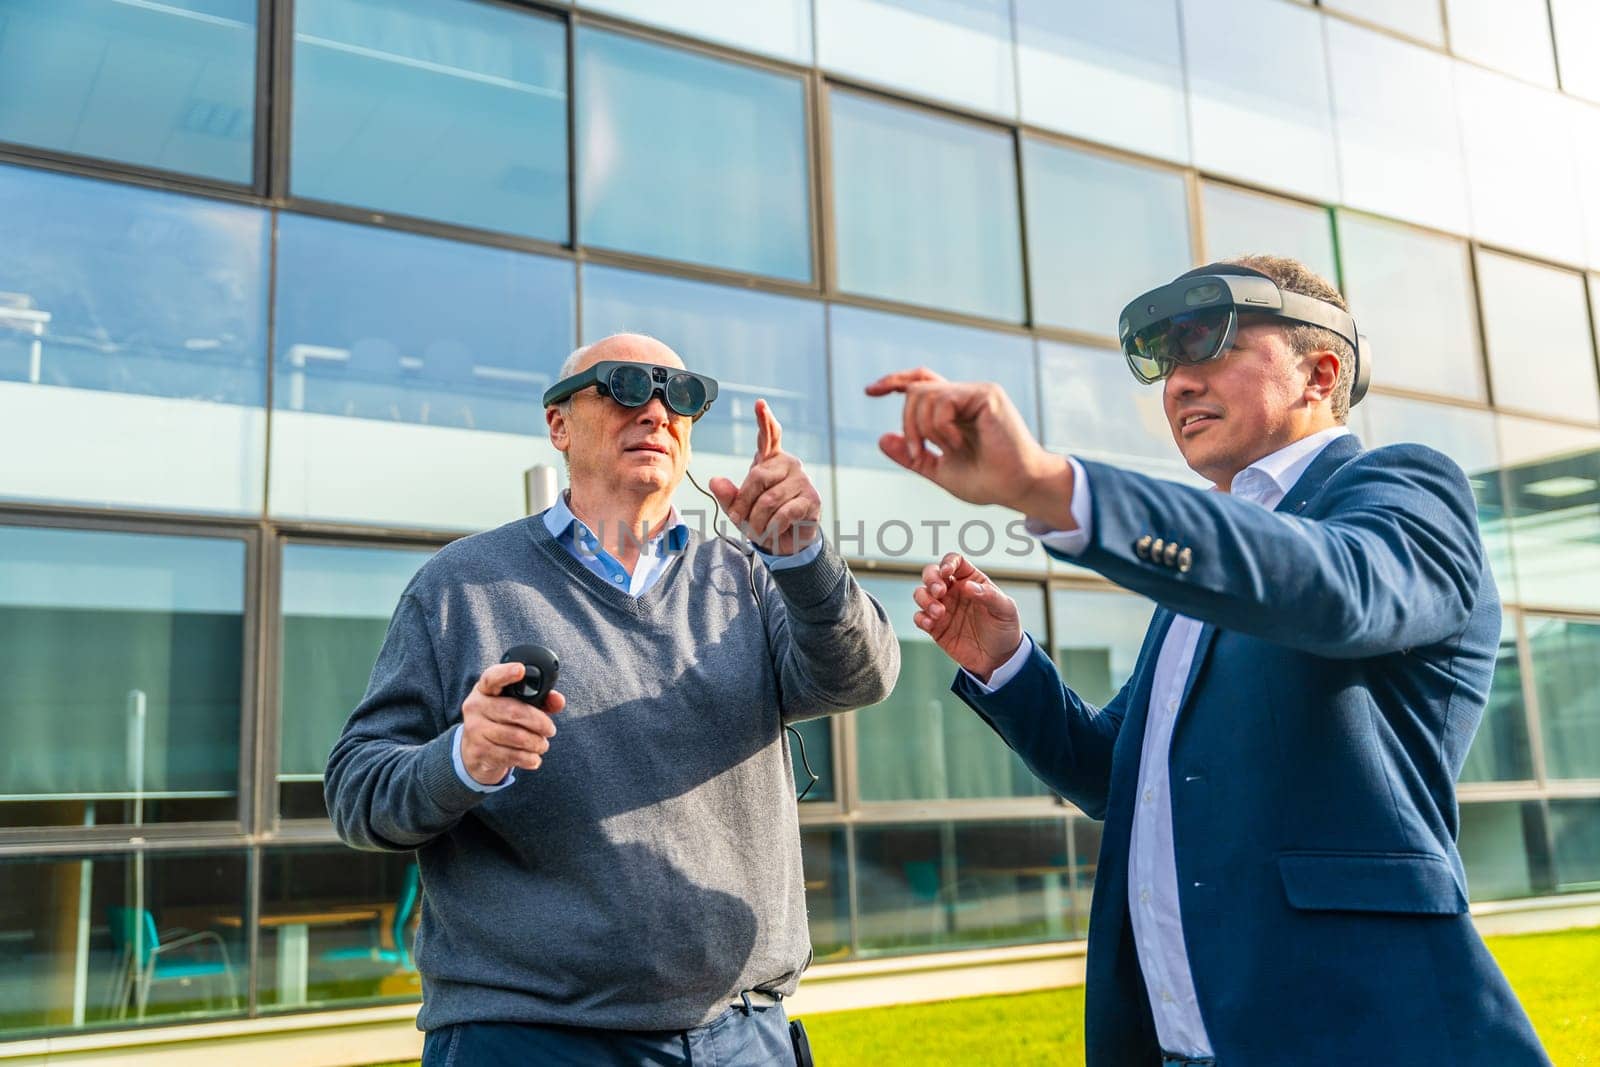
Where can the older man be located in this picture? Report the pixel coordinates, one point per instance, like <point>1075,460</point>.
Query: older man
<point>628,888</point>
<point>1278,879</point>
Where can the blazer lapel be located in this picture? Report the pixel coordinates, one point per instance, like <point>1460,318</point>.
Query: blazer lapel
<point>1338,452</point>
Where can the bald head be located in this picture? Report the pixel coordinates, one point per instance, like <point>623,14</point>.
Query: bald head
<point>629,347</point>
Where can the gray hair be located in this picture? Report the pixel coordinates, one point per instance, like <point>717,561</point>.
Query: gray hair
<point>569,367</point>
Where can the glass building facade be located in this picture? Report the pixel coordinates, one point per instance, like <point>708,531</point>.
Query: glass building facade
<point>285,280</point>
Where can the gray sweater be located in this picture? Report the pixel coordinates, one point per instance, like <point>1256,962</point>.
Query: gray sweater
<point>649,871</point>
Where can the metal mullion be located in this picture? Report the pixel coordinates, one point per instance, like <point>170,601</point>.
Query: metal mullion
<point>269,720</point>
<point>684,269</point>
<point>426,227</point>
<point>998,809</point>
<point>15,513</point>
<point>569,20</point>
<point>894,95</point>
<point>1341,210</point>
<point>853,882</point>
<point>1194,202</point>
<point>1573,789</point>
<point>95,167</point>
<point>1530,701</point>
<point>174,837</point>
<point>1058,139</point>
<point>828,263</point>
<point>817,157</point>
<point>247,807</point>
<point>252,930</point>
<point>261,154</point>
<point>1532,258</point>
<point>1462,403</point>
<point>684,42</point>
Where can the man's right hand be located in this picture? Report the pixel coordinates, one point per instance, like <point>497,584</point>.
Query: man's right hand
<point>501,733</point>
<point>967,615</point>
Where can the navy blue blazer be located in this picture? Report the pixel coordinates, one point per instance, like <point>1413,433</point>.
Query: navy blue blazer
<point>1349,641</point>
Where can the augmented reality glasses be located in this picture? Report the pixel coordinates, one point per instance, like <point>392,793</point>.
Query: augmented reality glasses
<point>1195,319</point>
<point>633,384</point>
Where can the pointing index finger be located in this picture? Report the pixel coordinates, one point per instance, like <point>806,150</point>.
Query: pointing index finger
<point>769,432</point>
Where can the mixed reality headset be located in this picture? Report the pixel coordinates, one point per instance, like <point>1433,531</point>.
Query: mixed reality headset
<point>1194,319</point>
<point>633,384</point>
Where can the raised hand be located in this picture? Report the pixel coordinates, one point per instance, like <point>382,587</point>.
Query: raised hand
<point>967,615</point>
<point>776,507</point>
<point>499,733</point>
<point>984,452</point>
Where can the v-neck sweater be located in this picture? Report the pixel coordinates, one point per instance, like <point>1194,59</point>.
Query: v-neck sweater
<point>649,871</point>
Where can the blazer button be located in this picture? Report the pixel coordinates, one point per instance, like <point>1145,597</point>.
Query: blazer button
<point>1170,556</point>
<point>1156,548</point>
<point>1141,547</point>
<point>1185,561</point>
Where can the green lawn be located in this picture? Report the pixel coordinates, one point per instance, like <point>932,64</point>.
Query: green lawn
<point>1557,976</point>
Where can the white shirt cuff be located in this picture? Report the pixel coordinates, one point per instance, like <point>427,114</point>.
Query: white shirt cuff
<point>793,559</point>
<point>1070,542</point>
<point>467,779</point>
<point>1007,670</point>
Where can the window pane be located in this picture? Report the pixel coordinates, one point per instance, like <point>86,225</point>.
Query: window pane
<point>886,512</point>
<point>1415,18</point>
<point>827,869</point>
<point>1585,138</point>
<point>404,363</point>
<point>1397,160</point>
<point>924,209</point>
<point>337,927</point>
<point>779,28</point>
<point>1575,828</point>
<point>169,85</point>
<point>955,50</point>
<point>72,932</point>
<point>1577,26</point>
<point>1095,409</point>
<point>123,309</point>
<point>953,884</point>
<point>1411,292</point>
<point>1097,640</point>
<point>691,158</point>
<point>1100,232</point>
<point>1553,501</point>
<point>1243,96</point>
<point>336,603</point>
<point>1238,223</point>
<point>1500,751</point>
<point>1494,842</point>
<point>754,344</point>
<point>151,734</point>
<point>924,743</point>
<point>1509,35</point>
<point>1106,72</point>
<point>1566,673</point>
<point>1522,176</point>
<point>443,109</point>
<point>1536,323</point>
<point>1466,436</point>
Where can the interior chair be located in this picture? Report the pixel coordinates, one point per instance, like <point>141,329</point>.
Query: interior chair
<point>177,957</point>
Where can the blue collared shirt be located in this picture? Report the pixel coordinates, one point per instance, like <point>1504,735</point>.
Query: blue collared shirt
<point>655,556</point>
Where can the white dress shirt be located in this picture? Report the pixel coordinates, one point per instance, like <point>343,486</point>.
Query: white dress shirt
<point>1152,863</point>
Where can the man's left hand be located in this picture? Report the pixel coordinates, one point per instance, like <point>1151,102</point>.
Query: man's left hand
<point>777,507</point>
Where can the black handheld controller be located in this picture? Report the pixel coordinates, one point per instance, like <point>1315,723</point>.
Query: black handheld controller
<point>541,666</point>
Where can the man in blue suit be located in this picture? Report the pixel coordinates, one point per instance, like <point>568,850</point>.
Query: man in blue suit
<point>1278,880</point>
